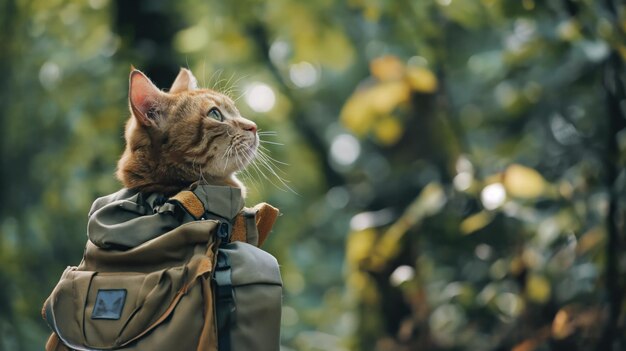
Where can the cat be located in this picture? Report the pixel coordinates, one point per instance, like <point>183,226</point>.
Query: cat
<point>186,134</point>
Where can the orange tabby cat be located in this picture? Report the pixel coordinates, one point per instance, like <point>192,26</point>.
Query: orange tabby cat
<point>178,137</point>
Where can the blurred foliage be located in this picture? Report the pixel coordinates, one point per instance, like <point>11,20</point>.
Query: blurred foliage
<point>457,166</point>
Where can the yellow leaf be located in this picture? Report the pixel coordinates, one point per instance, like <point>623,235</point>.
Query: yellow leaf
<point>561,325</point>
<point>422,79</point>
<point>387,68</point>
<point>523,182</point>
<point>365,106</point>
<point>385,97</point>
<point>475,222</point>
<point>388,130</point>
<point>357,115</point>
<point>538,288</point>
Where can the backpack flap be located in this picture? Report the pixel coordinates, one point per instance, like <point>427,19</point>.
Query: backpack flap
<point>109,310</point>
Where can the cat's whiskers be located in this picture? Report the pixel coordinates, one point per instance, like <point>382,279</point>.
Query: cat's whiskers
<point>271,142</point>
<point>218,79</point>
<point>227,154</point>
<point>227,85</point>
<point>240,166</point>
<point>244,172</point>
<point>265,153</point>
<point>266,133</point>
<point>240,96</point>
<point>269,165</point>
<point>200,172</point>
<point>263,162</point>
<point>204,73</point>
<point>230,88</point>
<point>256,168</point>
<point>223,85</point>
<point>269,133</point>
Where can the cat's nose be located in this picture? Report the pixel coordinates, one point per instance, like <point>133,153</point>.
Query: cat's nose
<point>251,127</point>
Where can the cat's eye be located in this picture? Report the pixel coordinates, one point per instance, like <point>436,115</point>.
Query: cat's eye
<point>215,114</point>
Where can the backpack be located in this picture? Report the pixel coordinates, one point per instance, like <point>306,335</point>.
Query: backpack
<point>179,273</point>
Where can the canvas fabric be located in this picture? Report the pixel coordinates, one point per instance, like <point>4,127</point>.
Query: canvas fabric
<point>158,274</point>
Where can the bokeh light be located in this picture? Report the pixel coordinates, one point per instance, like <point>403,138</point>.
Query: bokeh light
<point>260,97</point>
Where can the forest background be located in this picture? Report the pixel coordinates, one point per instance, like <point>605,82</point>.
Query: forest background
<point>453,173</point>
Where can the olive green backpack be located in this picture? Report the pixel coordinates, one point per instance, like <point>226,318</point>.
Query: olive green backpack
<point>179,273</point>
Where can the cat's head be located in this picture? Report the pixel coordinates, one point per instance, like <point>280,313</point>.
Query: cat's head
<point>184,135</point>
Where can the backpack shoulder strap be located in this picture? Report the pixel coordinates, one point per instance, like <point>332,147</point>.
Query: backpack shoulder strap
<point>253,225</point>
<point>190,202</point>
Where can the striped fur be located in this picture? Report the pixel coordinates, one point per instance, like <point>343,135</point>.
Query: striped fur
<point>171,141</point>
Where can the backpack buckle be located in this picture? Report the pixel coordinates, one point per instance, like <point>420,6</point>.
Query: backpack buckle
<point>223,232</point>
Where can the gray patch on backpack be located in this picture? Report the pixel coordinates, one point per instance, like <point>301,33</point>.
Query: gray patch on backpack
<point>109,304</point>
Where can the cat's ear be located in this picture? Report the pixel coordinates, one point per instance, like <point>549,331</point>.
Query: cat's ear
<point>143,96</point>
<point>184,81</point>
